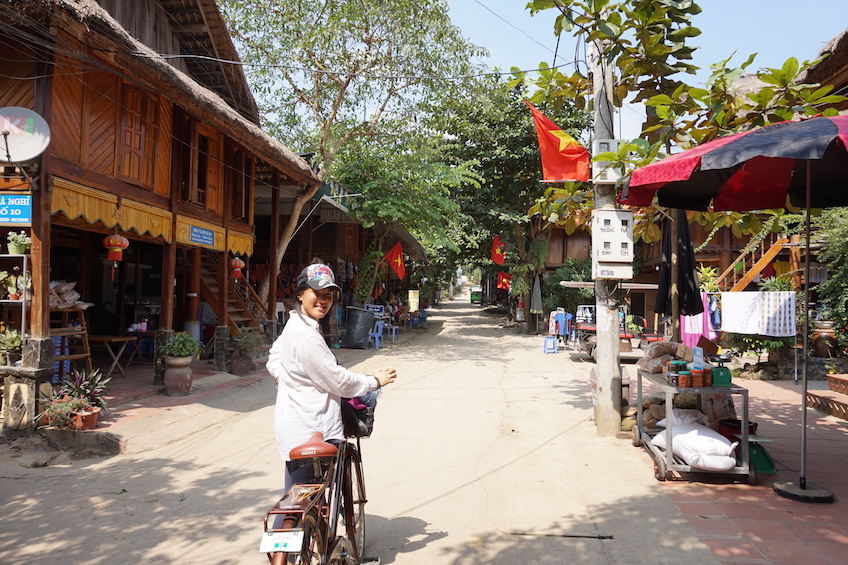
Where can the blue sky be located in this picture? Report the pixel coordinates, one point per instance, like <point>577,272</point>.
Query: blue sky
<point>775,29</point>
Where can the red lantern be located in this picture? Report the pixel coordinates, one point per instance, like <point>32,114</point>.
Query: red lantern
<point>236,265</point>
<point>116,244</point>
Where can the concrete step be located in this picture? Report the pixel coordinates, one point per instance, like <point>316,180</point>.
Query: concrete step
<point>829,402</point>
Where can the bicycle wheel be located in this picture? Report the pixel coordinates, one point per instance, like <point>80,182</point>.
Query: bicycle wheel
<point>313,542</point>
<point>354,504</point>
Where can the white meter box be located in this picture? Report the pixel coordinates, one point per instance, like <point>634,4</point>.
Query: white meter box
<point>618,271</point>
<point>612,236</point>
<point>602,172</point>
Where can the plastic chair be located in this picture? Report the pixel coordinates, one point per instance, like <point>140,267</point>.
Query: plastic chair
<point>550,345</point>
<point>393,331</point>
<point>377,334</point>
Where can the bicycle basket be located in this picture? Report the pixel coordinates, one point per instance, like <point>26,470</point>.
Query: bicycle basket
<point>358,415</point>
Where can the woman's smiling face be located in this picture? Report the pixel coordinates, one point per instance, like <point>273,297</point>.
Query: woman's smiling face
<point>316,303</point>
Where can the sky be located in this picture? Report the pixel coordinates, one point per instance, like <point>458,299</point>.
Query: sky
<point>774,29</point>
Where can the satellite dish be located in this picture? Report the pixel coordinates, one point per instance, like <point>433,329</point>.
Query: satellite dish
<point>24,135</point>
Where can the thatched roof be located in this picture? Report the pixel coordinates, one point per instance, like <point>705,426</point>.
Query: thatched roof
<point>141,64</point>
<point>834,69</point>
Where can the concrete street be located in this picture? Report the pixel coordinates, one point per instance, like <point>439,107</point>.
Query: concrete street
<point>484,451</point>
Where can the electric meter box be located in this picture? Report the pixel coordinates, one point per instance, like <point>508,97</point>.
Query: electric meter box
<point>612,236</point>
<point>601,170</point>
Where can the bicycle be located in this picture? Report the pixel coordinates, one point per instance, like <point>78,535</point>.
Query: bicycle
<point>303,527</point>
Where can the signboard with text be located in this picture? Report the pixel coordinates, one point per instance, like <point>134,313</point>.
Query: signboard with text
<point>15,209</point>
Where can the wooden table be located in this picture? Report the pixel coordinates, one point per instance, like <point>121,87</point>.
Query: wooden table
<point>110,341</point>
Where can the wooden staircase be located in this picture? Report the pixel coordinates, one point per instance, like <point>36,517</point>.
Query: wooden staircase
<point>754,261</point>
<point>244,309</point>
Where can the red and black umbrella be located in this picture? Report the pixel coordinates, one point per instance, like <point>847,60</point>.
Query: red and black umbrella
<point>752,170</point>
<point>800,163</point>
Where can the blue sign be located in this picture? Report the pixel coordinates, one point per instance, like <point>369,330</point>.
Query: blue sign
<point>16,209</point>
<point>202,236</point>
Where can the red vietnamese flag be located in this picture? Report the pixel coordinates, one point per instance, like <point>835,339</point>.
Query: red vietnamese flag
<point>395,259</point>
<point>504,279</point>
<point>498,251</point>
<point>563,158</point>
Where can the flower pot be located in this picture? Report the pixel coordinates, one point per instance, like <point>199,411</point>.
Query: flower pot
<point>824,339</point>
<point>177,377</point>
<point>241,364</point>
<point>14,296</point>
<point>86,420</point>
<point>16,249</point>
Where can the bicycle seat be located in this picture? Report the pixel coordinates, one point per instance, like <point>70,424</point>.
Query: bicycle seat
<point>314,447</point>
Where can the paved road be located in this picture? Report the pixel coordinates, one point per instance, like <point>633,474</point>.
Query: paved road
<point>483,452</point>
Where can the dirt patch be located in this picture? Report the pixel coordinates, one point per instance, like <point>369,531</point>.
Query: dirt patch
<point>33,450</point>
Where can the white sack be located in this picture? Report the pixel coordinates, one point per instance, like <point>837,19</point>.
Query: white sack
<point>699,446</point>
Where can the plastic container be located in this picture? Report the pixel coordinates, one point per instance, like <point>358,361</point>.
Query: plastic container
<point>684,379</point>
<point>697,378</point>
<point>708,377</point>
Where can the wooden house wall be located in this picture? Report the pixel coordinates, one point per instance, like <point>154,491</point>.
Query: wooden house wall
<point>114,135</point>
<point>17,87</point>
<point>147,21</point>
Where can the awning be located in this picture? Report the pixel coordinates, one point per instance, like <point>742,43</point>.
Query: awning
<point>79,201</point>
<point>410,245</point>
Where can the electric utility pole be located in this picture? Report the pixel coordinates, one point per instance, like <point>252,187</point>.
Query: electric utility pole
<point>607,394</point>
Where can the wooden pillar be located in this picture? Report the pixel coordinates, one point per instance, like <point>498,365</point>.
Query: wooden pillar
<point>169,275</point>
<point>192,299</point>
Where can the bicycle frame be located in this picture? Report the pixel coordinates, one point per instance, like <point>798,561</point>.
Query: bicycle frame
<point>302,528</point>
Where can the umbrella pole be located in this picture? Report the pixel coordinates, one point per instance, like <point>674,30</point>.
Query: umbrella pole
<point>801,491</point>
<point>675,276</point>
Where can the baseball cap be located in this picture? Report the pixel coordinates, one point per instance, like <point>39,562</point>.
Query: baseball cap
<point>317,277</point>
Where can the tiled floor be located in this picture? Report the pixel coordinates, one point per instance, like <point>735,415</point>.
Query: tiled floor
<point>742,524</point>
<point>751,524</point>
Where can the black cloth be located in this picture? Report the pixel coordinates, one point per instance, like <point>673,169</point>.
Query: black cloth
<point>687,280</point>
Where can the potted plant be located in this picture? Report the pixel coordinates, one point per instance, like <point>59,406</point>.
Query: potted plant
<point>178,352</point>
<point>244,348</point>
<point>15,284</point>
<point>71,412</point>
<point>11,344</point>
<point>88,385</point>
<point>19,242</point>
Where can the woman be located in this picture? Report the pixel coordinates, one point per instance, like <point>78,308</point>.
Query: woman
<point>310,382</point>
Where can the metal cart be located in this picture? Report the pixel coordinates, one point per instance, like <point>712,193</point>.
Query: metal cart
<point>665,462</point>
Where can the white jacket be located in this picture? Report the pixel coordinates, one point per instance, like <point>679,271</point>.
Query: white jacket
<point>311,385</point>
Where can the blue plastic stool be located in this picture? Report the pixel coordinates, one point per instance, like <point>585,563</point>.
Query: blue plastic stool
<point>551,344</point>
<point>393,331</point>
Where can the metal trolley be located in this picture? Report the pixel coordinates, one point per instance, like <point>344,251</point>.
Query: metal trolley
<point>665,462</point>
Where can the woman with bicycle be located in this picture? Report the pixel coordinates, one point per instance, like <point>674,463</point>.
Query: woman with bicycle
<point>310,382</point>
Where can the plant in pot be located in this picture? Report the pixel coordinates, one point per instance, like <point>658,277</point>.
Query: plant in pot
<point>19,242</point>
<point>178,352</point>
<point>244,348</point>
<point>11,345</point>
<point>88,385</point>
<point>70,412</point>
<point>15,283</point>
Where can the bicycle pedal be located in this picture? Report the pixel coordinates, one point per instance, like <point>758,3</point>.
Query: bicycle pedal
<point>370,561</point>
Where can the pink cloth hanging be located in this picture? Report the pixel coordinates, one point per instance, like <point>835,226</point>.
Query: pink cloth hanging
<point>693,327</point>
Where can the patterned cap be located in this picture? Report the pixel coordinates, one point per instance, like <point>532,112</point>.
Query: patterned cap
<point>317,277</point>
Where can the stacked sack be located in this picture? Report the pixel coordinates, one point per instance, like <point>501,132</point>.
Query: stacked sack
<point>63,296</point>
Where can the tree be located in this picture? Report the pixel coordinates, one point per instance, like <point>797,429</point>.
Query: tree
<point>647,44</point>
<point>404,181</point>
<point>489,123</point>
<point>327,73</point>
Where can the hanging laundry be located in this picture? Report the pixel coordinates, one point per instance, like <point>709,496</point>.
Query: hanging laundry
<point>758,313</point>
